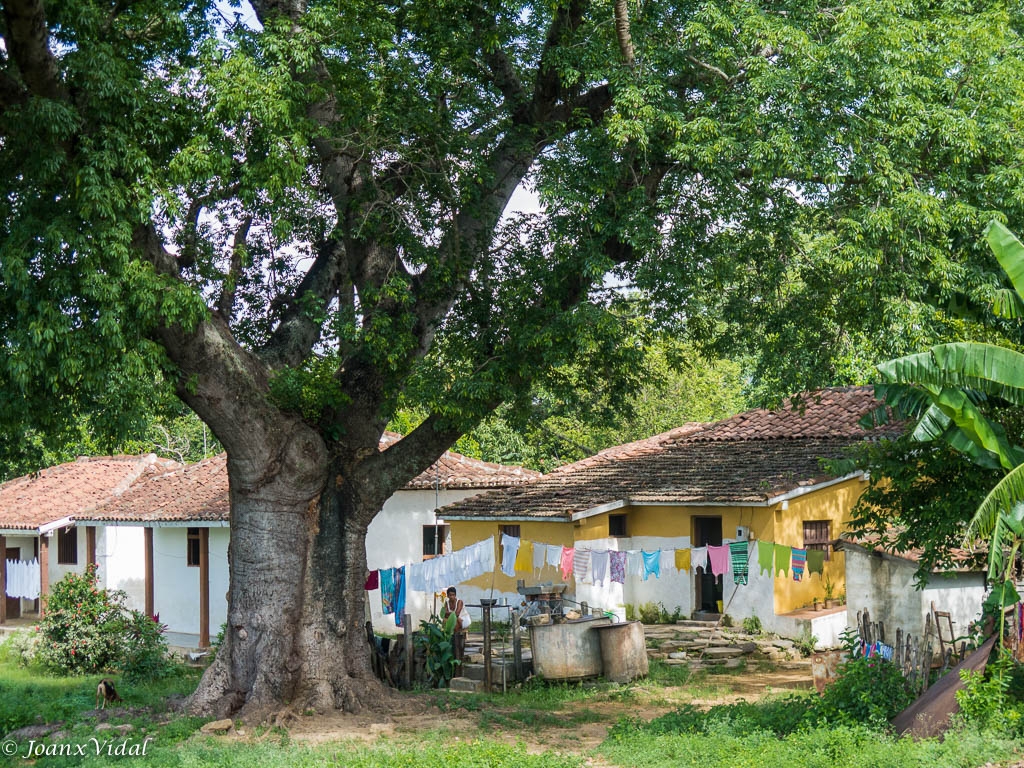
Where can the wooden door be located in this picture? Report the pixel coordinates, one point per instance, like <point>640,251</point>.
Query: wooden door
<point>13,603</point>
<point>708,588</point>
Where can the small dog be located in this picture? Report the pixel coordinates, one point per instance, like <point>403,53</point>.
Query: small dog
<point>105,693</point>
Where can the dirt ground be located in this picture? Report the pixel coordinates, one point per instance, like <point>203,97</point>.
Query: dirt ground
<point>413,713</point>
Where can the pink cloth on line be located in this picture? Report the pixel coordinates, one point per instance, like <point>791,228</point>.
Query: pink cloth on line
<point>719,557</point>
<point>568,556</point>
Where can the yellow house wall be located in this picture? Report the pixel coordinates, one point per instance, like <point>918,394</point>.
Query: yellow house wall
<point>466,532</point>
<point>833,504</point>
<point>783,526</point>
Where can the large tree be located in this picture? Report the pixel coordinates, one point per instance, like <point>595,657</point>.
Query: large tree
<point>294,216</point>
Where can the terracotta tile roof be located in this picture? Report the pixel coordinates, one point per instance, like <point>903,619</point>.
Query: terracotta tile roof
<point>453,470</point>
<point>827,413</point>
<point>199,492</point>
<point>194,493</point>
<point>747,459</point>
<point>72,489</point>
<point>962,559</point>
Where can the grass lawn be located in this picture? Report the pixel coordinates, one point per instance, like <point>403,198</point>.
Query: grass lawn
<point>553,726</point>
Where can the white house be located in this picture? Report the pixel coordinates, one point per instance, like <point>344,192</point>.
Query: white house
<point>38,514</point>
<point>160,532</point>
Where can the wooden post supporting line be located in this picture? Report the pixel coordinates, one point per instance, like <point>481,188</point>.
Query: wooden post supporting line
<point>488,674</point>
<point>204,587</point>
<point>407,628</point>
<point>44,572</point>
<point>90,545</point>
<point>3,580</point>
<point>148,537</point>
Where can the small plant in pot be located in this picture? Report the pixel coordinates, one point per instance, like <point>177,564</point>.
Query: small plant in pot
<point>830,596</point>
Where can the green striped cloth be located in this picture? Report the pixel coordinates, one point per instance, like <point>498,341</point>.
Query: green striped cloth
<point>738,555</point>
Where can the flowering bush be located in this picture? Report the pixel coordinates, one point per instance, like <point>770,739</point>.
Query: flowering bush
<point>88,629</point>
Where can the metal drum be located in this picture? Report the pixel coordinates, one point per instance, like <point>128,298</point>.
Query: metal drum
<point>567,651</point>
<point>623,651</point>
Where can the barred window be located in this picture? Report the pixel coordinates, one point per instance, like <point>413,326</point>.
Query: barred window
<point>818,535</point>
<point>67,546</point>
<point>617,525</point>
<point>192,548</point>
<point>434,537</point>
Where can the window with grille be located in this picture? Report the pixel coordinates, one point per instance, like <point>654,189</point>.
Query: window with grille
<point>434,537</point>
<point>818,535</point>
<point>617,525</point>
<point>192,548</point>
<point>67,546</point>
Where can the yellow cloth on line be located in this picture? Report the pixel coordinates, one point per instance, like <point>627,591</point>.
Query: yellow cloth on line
<point>682,559</point>
<point>524,557</point>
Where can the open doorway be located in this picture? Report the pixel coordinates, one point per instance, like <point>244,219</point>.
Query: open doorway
<point>708,588</point>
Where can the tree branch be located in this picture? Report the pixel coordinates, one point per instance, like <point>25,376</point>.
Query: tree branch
<point>622,32</point>
<point>298,330</point>
<point>226,302</point>
<point>28,40</point>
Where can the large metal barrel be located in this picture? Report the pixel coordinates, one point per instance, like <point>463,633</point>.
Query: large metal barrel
<point>567,651</point>
<point>623,651</point>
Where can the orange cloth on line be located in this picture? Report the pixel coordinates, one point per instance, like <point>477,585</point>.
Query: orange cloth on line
<point>682,559</point>
<point>524,557</point>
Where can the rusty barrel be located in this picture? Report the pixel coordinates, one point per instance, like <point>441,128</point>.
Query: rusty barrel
<point>567,651</point>
<point>623,651</point>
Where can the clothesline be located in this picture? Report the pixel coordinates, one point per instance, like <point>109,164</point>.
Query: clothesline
<point>587,566</point>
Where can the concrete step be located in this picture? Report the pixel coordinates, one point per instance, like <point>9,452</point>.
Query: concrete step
<point>466,684</point>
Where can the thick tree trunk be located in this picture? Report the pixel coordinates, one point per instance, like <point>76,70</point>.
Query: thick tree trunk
<point>295,637</point>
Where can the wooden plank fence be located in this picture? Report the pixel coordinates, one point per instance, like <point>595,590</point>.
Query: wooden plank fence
<point>915,656</point>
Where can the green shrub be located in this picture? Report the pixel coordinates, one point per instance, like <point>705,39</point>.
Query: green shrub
<point>82,626</point>
<point>650,613</point>
<point>986,701</point>
<point>20,648</point>
<point>87,629</point>
<point>867,691</point>
<point>145,655</point>
<point>752,625</point>
<point>436,638</point>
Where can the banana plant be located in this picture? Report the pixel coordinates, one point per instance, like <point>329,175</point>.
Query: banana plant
<point>944,387</point>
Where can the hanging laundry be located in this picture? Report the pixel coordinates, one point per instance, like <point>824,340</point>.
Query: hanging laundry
<point>387,591</point>
<point>682,560</point>
<point>555,555</point>
<point>782,555</point>
<point>568,555</point>
<point>617,565</point>
<point>739,554</point>
<point>765,554</point>
<point>799,560</point>
<point>399,595</point>
<point>372,581</point>
<point>652,564</point>
<point>719,557</point>
<point>581,566</point>
<point>540,554</point>
<point>668,560</point>
<point>634,563</point>
<point>416,575</point>
<point>524,558</point>
<point>699,558</point>
<point>599,560</point>
<point>509,550</point>
<point>816,561</point>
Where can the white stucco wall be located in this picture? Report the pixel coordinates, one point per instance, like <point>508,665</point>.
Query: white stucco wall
<point>58,571</point>
<point>885,587</point>
<point>121,557</point>
<point>176,584</point>
<point>395,538</point>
